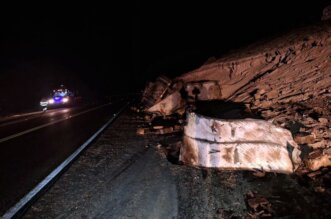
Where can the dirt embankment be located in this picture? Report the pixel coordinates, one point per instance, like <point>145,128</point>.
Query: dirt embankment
<point>293,67</point>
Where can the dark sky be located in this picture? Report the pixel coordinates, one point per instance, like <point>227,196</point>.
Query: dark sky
<point>116,47</point>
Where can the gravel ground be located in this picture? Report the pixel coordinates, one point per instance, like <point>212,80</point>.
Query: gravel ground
<point>123,175</point>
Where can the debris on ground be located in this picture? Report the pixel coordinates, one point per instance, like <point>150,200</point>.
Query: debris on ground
<point>159,125</point>
<point>259,206</point>
<point>159,130</point>
<point>319,158</point>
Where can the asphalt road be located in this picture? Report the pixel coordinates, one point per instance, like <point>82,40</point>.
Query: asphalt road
<point>118,176</point>
<point>32,145</point>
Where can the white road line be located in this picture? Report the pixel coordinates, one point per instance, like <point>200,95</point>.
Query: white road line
<point>56,111</point>
<point>28,198</point>
<point>48,124</point>
<point>27,118</point>
<point>25,114</point>
<point>14,117</point>
<point>19,121</point>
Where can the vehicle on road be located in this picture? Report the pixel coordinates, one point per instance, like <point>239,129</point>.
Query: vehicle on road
<point>59,97</point>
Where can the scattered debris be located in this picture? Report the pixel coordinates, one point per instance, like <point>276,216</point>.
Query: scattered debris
<point>323,120</point>
<point>259,206</point>
<point>302,138</point>
<point>319,158</point>
<point>320,144</point>
<point>159,130</point>
<point>309,124</point>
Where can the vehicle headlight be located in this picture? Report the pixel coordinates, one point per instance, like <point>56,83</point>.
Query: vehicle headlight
<point>50,101</point>
<point>43,103</point>
<point>65,99</point>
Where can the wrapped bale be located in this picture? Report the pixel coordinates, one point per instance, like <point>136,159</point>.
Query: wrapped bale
<point>245,144</point>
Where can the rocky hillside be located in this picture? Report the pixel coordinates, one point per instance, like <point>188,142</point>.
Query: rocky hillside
<point>293,67</point>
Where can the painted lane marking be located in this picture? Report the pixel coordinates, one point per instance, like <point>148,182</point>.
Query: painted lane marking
<point>19,121</point>
<point>16,117</point>
<point>22,114</point>
<point>43,114</point>
<point>22,205</point>
<point>48,124</point>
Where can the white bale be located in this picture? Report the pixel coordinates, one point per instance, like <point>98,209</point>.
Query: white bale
<point>236,156</point>
<point>254,144</point>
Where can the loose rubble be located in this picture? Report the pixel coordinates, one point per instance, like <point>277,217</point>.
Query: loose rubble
<point>309,123</point>
<point>259,206</point>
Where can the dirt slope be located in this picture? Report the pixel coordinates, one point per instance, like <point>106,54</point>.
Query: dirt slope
<point>292,67</point>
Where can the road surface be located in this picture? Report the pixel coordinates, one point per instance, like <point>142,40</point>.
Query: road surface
<point>32,145</point>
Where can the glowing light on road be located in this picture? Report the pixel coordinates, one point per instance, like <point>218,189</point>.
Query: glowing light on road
<point>51,114</point>
<point>50,101</point>
<point>65,99</point>
<point>65,110</point>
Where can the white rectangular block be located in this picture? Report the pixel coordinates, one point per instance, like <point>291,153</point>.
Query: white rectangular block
<point>238,144</point>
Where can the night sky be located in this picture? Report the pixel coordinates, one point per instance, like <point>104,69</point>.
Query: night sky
<point>115,47</point>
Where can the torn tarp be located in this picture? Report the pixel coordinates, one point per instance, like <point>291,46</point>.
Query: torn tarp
<point>245,144</point>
